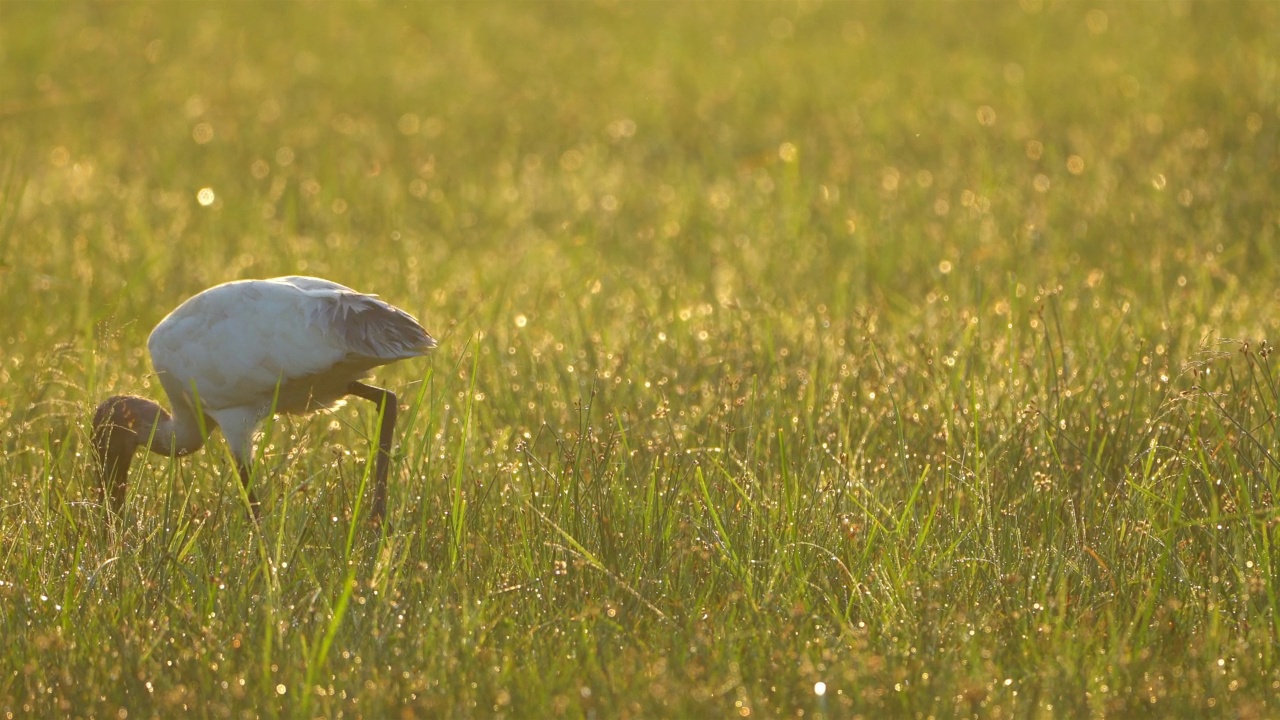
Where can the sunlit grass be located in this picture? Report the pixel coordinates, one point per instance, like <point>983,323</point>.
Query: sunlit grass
<point>824,359</point>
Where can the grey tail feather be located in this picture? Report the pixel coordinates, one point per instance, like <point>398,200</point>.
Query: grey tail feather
<point>374,329</point>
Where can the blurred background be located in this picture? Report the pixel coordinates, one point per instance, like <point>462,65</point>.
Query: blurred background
<point>469,154</point>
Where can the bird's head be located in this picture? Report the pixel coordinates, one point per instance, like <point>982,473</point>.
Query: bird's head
<point>120,424</point>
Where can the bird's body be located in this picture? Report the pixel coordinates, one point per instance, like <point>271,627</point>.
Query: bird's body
<point>243,350</point>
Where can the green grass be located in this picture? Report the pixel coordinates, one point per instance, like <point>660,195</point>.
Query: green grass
<point>916,350</point>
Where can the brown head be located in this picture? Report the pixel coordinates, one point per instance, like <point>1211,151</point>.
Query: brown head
<point>120,424</point>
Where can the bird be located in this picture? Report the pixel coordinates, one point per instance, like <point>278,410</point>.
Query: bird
<point>234,354</point>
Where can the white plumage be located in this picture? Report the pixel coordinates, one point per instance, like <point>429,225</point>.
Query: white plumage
<point>241,350</point>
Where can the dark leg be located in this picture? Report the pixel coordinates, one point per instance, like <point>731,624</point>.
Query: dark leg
<point>386,402</point>
<point>243,469</point>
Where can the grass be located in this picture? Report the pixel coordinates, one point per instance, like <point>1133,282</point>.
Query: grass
<point>812,359</point>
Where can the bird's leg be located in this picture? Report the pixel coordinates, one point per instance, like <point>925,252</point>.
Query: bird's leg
<point>243,469</point>
<point>386,402</point>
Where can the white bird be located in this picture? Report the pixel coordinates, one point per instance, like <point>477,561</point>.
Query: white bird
<point>238,352</point>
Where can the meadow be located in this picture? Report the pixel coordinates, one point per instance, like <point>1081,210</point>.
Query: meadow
<point>816,359</point>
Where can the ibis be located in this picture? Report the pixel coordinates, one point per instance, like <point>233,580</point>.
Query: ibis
<point>238,352</point>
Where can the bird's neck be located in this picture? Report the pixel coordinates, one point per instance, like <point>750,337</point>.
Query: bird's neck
<point>175,434</point>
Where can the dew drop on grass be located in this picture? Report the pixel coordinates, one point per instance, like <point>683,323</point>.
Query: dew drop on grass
<point>1096,21</point>
<point>202,134</point>
<point>408,124</point>
<point>205,196</point>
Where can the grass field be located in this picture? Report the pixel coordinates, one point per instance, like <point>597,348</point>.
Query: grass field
<point>819,359</point>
